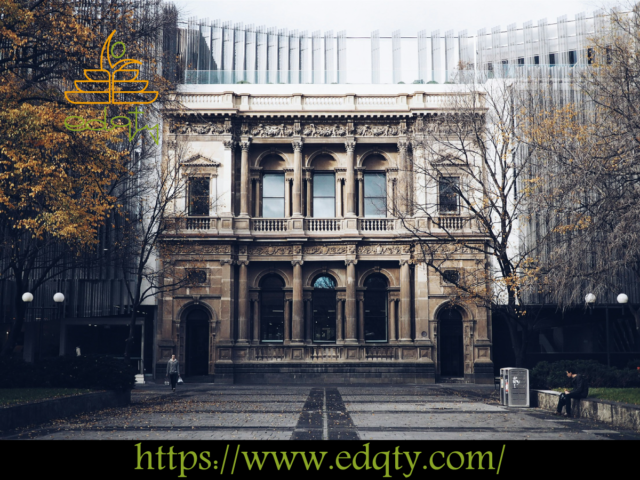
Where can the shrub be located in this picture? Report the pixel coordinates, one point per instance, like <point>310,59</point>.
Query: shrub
<point>88,371</point>
<point>547,375</point>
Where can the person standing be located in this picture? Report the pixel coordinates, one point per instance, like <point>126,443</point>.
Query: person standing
<point>581,391</point>
<point>173,371</point>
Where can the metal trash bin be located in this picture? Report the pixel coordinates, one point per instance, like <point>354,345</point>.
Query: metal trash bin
<point>514,387</point>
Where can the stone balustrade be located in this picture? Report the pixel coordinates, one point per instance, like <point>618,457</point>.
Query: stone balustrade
<point>299,102</point>
<point>329,226</point>
<point>311,353</point>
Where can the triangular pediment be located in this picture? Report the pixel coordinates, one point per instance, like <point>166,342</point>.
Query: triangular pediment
<point>200,161</point>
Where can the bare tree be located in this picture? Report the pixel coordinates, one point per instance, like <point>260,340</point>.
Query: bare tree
<point>468,203</point>
<point>589,145</point>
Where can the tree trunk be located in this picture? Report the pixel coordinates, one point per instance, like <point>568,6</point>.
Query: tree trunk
<point>16,328</point>
<point>128,346</point>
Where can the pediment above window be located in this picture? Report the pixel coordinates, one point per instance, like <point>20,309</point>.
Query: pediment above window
<point>201,164</point>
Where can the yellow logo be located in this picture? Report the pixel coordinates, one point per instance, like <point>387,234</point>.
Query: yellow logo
<point>112,83</point>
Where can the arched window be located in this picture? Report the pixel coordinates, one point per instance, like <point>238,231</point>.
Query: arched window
<point>324,309</point>
<point>272,309</point>
<point>375,309</point>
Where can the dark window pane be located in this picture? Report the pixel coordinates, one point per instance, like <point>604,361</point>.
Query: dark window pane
<point>324,309</point>
<point>272,309</point>
<point>324,207</point>
<point>273,207</point>
<point>324,185</point>
<point>199,196</point>
<point>451,276</point>
<point>448,193</point>
<point>375,282</point>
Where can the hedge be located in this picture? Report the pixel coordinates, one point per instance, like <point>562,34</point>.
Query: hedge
<point>547,375</point>
<point>87,371</point>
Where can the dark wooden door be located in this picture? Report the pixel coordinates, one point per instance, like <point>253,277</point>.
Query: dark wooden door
<point>451,344</point>
<point>197,344</point>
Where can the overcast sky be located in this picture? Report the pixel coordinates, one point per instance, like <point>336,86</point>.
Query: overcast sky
<point>360,17</point>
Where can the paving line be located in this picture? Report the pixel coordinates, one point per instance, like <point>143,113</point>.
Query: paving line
<point>325,427</point>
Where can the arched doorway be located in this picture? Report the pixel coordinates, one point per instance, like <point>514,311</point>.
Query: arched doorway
<point>272,309</point>
<point>375,309</point>
<point>197,343</point>
<point>450,343</point>
<point>324,309</point>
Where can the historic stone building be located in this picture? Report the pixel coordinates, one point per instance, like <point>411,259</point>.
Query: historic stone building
<point>301,270</point>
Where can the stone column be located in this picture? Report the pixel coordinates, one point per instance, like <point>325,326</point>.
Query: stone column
<point>258,196</point>
<point>350,304</point>
<point>309,195</point>
<point>351,186</point>
<point>392,320</point>
<point>287,198</point>
<point>227,302</point>
<point>244,177</point>
<point>403,193</point>
<point>405,302</point>
<point>308,320</point>
<point>339,321</point>
<point>287,321</point>
<point>243,304</point>
<point>361,195</point>
<point>256,321</point>
<point>361,319</point>
<point>297,178</point>
<point>298,308</point>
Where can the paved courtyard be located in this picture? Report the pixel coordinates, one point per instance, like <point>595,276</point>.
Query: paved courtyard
<point>295,412</point>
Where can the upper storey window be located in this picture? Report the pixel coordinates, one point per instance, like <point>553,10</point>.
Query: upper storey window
<point>324,195</point>
<point>199,196</point>
<point>375,195</point>
<point>448,194</point>
<point>273,195</point>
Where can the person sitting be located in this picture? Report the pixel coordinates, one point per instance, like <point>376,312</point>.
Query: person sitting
<point>581,390</point>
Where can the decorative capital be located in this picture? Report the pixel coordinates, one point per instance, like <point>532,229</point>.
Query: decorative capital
<point>350,146</point>
<point>297,146</point>
<point>244,145</point>
<point>351,261</point>
<point>297,262</point>
<point>404,262</point>
<point>402,146</point>
<point>228,144</point>
<point>243,262</point>
<point>226,261</point>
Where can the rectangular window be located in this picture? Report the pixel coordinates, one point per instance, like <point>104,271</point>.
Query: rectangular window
<point>552,59</point>
<point>573,58</point>
<point>521,62</point>
<point>375,195</point>
<point>199,196</point>
<point>273,195</point>
<point>536,60</point>
<point>590,56</point>
<point>448,192</point>
<point>324,195</point>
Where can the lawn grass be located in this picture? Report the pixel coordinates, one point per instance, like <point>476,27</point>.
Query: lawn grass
<point>622,395</point>
<point>16,396</point>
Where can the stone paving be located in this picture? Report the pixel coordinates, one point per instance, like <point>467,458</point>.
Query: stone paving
<point>293,412</point>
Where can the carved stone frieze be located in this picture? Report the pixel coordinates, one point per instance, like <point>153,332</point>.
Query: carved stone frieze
<point>189,249</point>
<point>384,249</point>
<point>272,130</point>
<point>376,130</point>
<point>200,128</point>
<point>329,249</point>
<point>313,130</point>
<point>271,250</point>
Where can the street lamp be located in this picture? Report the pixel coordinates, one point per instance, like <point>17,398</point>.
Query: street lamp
<point>27,297</point>
<point>58,297</point>
<point>590,299</point>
